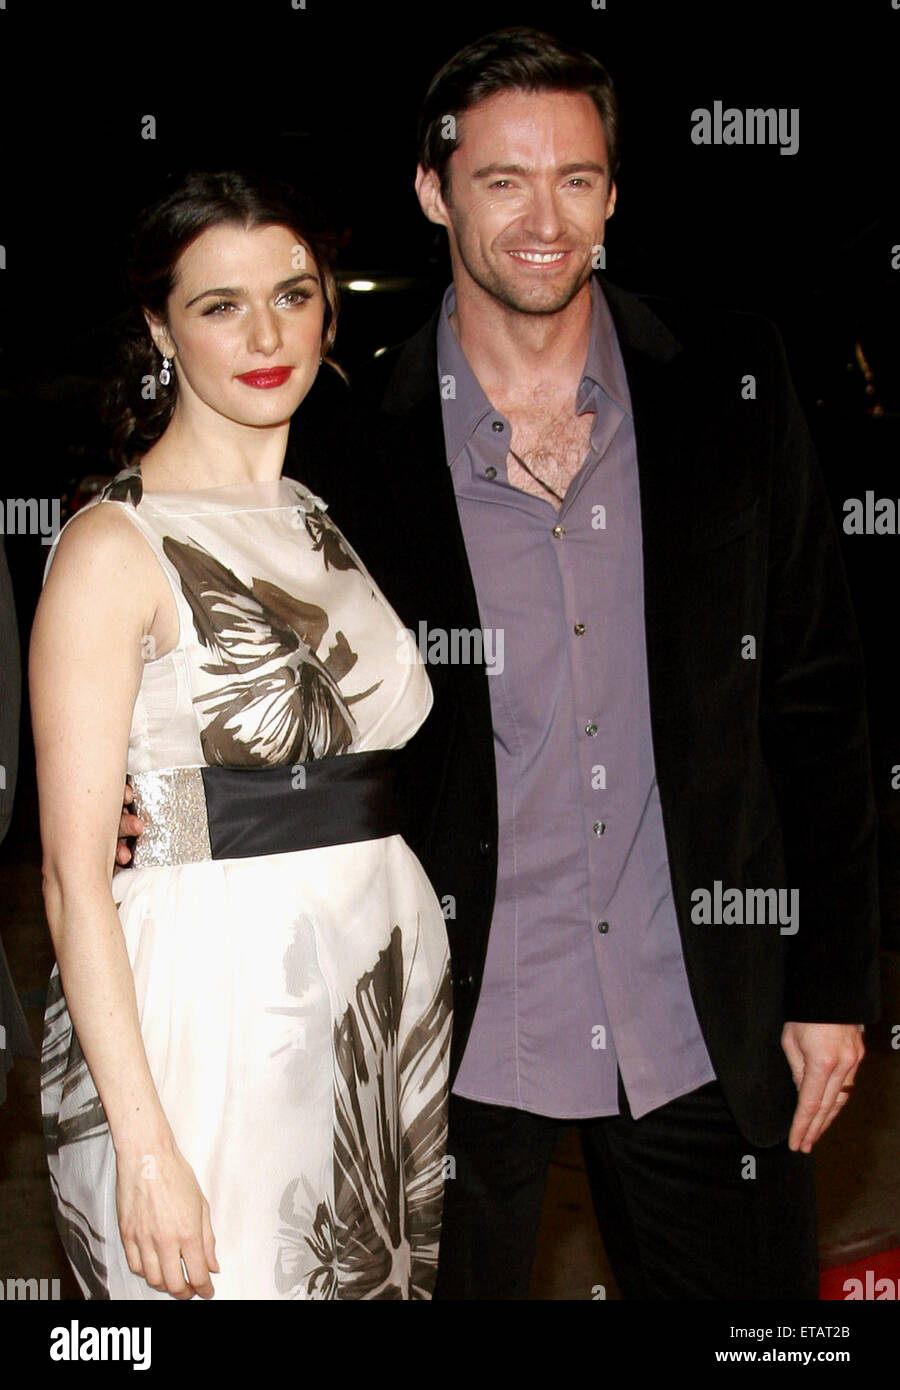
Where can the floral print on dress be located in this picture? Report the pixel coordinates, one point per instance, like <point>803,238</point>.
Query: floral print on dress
<point>283,703</point>
<point>380,1237</point>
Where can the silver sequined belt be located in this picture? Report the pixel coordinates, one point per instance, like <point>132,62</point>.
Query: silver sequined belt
<point>192,814</point>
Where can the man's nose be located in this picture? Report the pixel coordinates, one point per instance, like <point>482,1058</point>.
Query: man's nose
<point>544,217</point>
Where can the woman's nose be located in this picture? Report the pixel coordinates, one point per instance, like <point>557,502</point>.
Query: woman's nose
<point>264,332</point>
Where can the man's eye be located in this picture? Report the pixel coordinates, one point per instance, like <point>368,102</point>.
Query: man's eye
<point>498,183</point>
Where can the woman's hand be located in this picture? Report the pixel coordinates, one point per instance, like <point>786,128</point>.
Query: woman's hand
<point>164,1219</point>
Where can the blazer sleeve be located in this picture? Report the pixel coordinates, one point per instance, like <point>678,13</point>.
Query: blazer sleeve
<point>815,734</point>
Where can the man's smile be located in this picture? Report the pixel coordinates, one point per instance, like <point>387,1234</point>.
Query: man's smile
<point>539,257</point>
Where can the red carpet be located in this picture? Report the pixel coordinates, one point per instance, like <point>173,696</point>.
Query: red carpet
<point>877,1276</point>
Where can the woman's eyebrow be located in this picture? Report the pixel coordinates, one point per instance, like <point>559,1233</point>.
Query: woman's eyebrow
<point>236,293</point>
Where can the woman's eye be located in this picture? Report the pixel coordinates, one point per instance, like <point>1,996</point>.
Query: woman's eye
<point>289,297</point>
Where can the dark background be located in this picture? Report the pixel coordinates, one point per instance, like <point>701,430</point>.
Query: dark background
<point>328,96</point>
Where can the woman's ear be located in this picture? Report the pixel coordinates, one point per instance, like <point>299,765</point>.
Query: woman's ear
<point>160,334</point>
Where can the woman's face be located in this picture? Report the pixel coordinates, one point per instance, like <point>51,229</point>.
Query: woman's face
<point>245,324</point>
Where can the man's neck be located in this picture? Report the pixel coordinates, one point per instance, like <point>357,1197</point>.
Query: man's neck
<point>512,352</point>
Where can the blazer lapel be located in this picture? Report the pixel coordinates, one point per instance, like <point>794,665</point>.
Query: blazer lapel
<point>439,588</point>
<point>664,404</point>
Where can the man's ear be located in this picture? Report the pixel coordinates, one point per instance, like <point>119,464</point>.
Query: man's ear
<point>611,200</point>
<point>160,335</point>
<point>428,192</point>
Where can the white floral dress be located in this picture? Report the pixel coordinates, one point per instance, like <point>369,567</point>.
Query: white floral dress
<point>294,1007</point>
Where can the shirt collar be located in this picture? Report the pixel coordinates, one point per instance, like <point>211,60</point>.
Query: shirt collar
<point>464,403</point>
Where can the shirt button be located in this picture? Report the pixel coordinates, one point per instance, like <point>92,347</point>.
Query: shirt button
<point>580,629</point>
<point>484,847</point>
<point>590,730</point>
<point>490,471</point>
<point>497,426</point>
<point>603,928</point>
<point>599,827</point>
<point>559,531</point>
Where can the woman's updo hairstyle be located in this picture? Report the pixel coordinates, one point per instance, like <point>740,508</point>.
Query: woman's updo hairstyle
<point>137,407</point>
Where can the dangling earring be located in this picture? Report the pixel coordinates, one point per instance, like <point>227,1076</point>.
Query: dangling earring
<point>165,375</point>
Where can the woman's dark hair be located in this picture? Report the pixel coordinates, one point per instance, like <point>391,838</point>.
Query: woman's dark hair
<point>138,416</point>
<point>516,59</point>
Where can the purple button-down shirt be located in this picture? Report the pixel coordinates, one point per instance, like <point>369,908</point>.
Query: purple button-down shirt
<point>584,965</point>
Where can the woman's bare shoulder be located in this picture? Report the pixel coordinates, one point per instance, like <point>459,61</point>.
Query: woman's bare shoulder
<point>100,534</point>
<point>102,564</point>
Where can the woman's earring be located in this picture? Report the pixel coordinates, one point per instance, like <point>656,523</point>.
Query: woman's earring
<point>165,376</point>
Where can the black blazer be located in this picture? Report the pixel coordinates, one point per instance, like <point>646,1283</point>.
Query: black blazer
<point>762,762</point>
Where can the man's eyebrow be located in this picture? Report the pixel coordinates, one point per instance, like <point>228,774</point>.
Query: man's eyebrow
<point>579,166</point>
<point>582,166</point>
<point>226,291</point>
<point>500,169</point>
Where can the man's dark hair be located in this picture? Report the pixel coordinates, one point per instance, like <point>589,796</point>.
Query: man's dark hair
<point>516,59</point>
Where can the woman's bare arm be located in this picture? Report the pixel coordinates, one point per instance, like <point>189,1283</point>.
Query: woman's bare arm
<point>85,671</point>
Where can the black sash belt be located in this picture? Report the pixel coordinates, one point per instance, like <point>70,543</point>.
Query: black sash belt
<point>195,814</point>
<point>273,810</point>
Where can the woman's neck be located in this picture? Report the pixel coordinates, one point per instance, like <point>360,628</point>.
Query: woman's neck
<point>184,461</point>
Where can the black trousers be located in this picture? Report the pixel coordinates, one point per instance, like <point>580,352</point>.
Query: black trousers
<point>687,1207</point>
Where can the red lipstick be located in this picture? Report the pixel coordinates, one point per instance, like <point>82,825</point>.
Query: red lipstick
<point>268,377</point>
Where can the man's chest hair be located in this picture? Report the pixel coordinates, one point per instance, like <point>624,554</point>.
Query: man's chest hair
<point>551,440</point>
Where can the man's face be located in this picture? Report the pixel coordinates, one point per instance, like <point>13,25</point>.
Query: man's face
<point>528,197</point>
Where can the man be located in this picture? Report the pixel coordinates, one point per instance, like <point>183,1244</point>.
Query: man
<point>622,496</point>
<point>680,705</point>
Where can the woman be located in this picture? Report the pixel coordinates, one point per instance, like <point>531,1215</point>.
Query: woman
<point>247,1033</point>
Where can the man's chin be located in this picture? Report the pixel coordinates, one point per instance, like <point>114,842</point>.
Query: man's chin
<point>539,298</point>
<point>542,299</point>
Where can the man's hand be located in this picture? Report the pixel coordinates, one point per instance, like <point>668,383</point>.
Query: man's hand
<point>128,825</point>
<point>823,1058</point>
